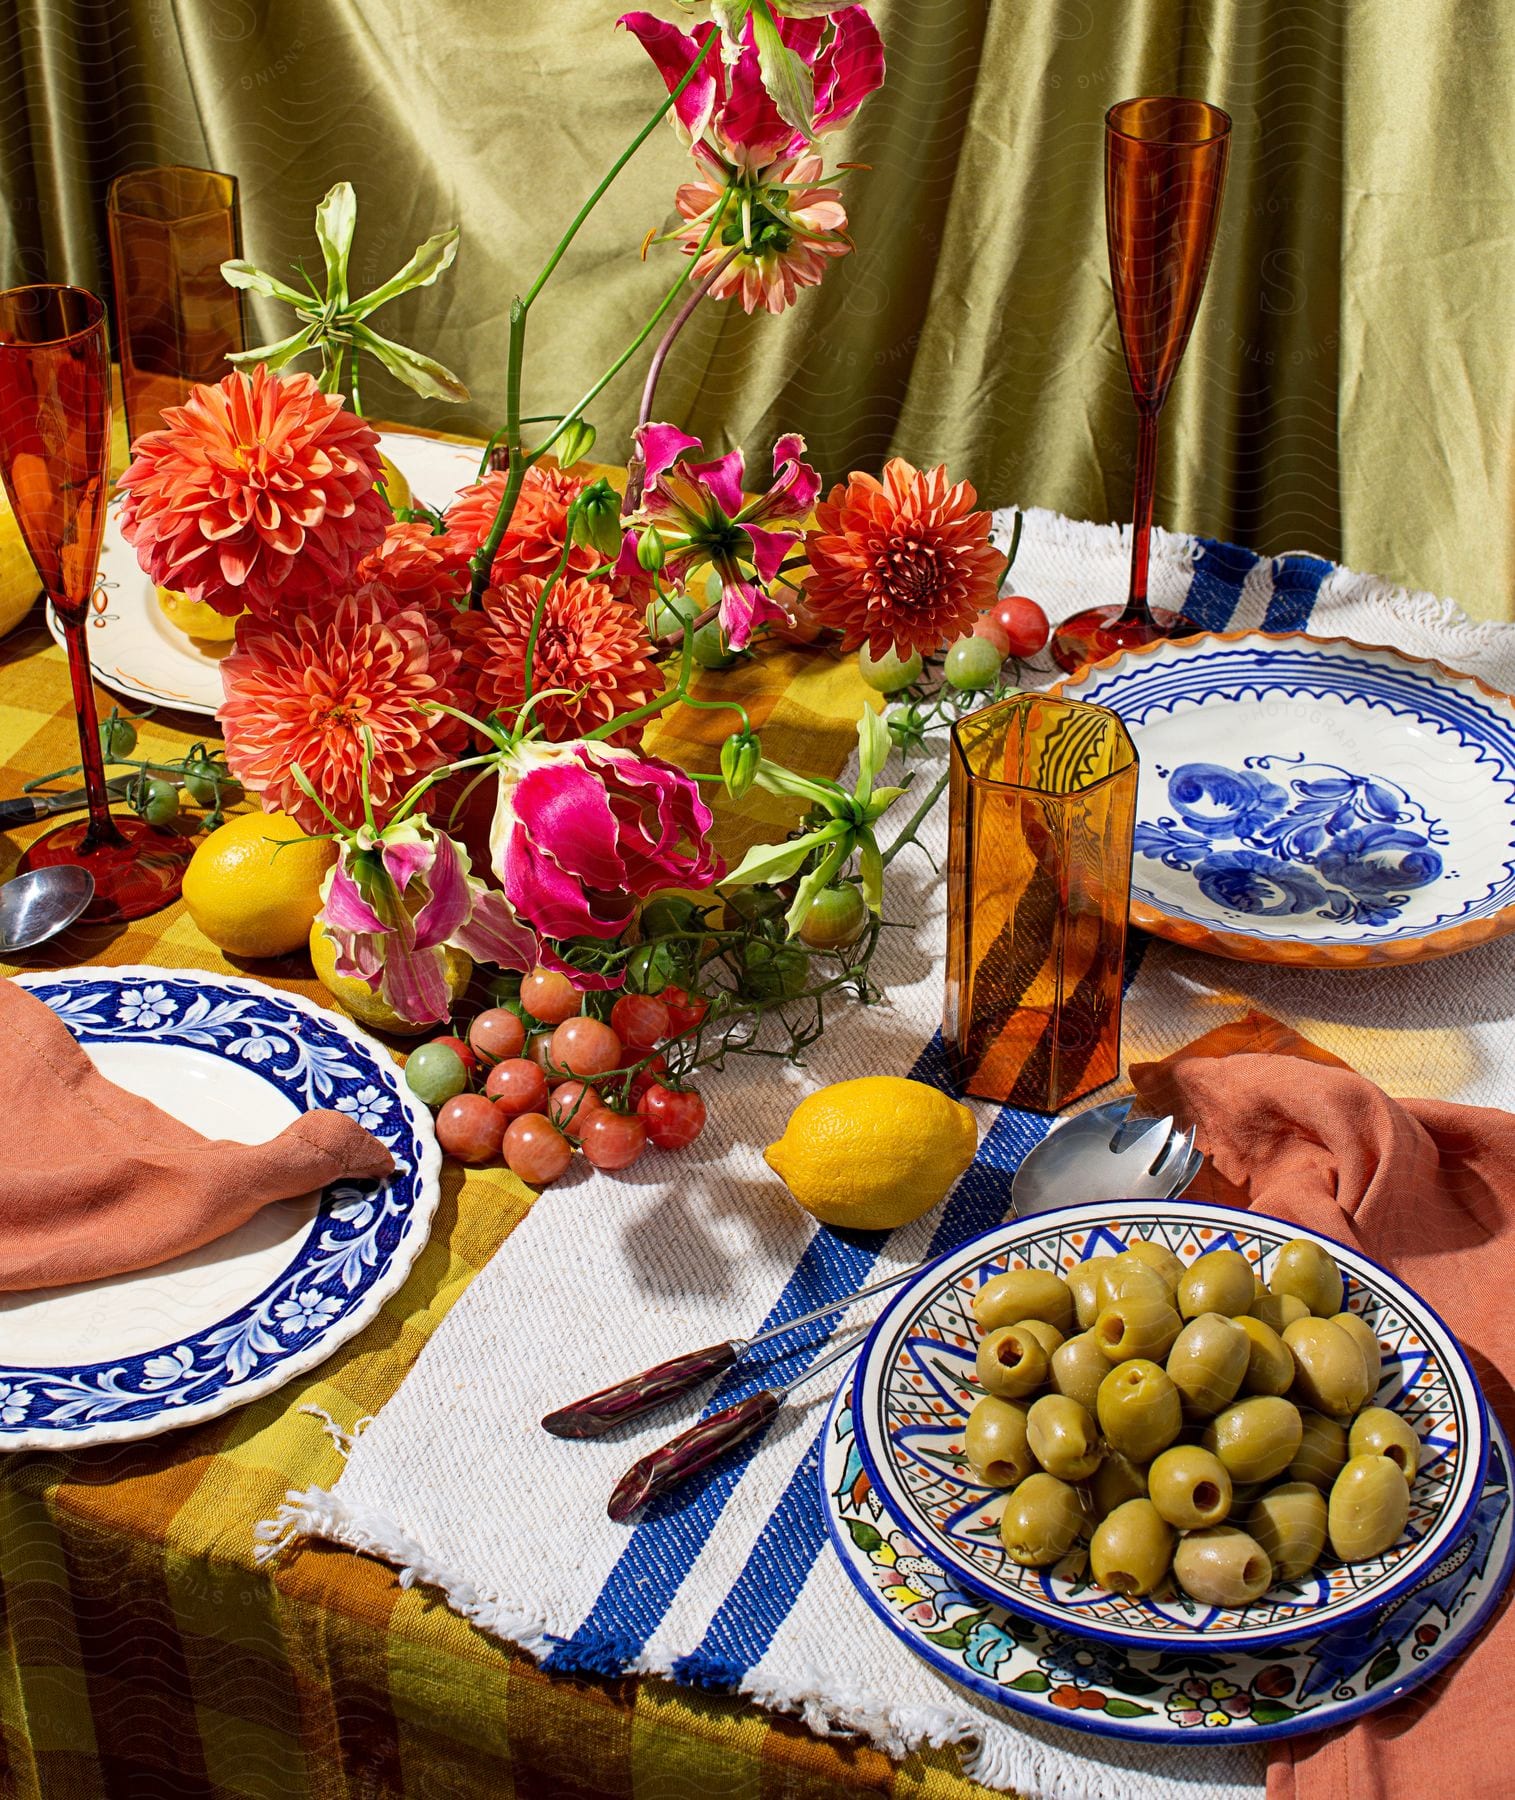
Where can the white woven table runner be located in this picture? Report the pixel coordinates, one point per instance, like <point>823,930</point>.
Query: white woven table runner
<point>733,1586</point>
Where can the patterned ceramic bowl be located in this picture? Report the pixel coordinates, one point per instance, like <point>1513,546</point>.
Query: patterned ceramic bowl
<point>914,1388</point>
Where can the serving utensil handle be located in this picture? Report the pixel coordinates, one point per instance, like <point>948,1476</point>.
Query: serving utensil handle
<point>691,1452</point>
<point>597,1413</point>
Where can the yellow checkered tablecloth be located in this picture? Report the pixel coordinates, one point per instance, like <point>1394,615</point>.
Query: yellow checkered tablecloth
<point>143,1654</point>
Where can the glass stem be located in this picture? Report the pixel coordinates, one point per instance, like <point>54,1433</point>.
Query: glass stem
<point>1137,611</point>
<point>102,828</point>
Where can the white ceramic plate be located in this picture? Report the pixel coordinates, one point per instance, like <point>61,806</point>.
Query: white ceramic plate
<point>173,1345</point>
<point>1314,801</point>
<point>136,653</point>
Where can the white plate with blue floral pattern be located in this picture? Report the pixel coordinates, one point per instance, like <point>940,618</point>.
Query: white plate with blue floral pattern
<point>1184,1694</point>
<point>915,1386</point>
<point>1314,800</point>
<point>177,1344</point>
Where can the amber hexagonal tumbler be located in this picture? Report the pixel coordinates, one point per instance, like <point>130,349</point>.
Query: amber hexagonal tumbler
<point>1043,804</point>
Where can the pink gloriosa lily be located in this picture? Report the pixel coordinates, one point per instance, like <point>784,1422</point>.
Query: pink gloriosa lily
<point>702,517</point>
<point>396,901</point>
<point>582,831</point>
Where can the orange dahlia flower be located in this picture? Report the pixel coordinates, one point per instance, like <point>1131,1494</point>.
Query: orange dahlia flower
<point>306,690</point>
<point>420,567</point>
<point>258,493</point>
<point>904,561</point>
<point>534,541</point>
<point>590,643</point>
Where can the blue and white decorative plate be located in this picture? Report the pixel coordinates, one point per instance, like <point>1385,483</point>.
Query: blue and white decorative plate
<point>915,1386</point>
<point>1185,1693</point>
<point>1314,800</point>
<point>177,1344</point>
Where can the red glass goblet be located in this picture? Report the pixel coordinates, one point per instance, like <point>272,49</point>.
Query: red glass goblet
<point>1165,171</point>
<point>54,455</point>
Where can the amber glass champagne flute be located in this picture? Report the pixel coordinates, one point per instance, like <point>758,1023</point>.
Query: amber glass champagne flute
<point>1165,172</point>
<point>54,459</point>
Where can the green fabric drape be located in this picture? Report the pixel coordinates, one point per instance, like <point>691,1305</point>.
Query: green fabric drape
<point>1347,391</point>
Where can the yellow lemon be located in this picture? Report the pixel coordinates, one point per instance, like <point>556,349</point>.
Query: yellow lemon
<point>19,586</point>
<point>249,895</point>
<point>197,618</point>
<point>395,485</point>
<point>358,999</point>
<point>874,1153</point>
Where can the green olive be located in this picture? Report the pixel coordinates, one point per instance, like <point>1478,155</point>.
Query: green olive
<point>1063,1437</point>
<point>1024,1294</point>
<point>1304,1269</point>
<point>1220,1281</point>
<point>1127,1277</point>
<point>1137,1326</point>
<point>1370,1501</point>
<point>1042,1517</point>
<point>1139,1409</point>
<point>1270,1362</point>
<point>1256,1439</point>
<point>1159,1257</point>
<point>1190,1487</point>
<point>995,1442</point>
<point>1116,1480</point>
<point>1366,1339</point>
<point>1322,1452</point>
<point>1078,1367</point>
<point>1083,1284</point>
<point>1279,1310</point>
<point>1011,1362</point>
<point>1207,1363</point>
<point>1048,1336</point>
<point>1131,1549</point>
<point>1329,1372</point>
<point>1222,1566</point>
<point>1378,1432</point>
<point>1289,1521</point>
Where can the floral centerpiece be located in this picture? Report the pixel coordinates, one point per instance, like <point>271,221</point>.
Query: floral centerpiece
<point>390,658</point>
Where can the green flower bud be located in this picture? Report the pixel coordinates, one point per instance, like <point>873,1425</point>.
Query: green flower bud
<point>651,553</point>
<point>597,522</point>
<point>740,756</point>
<point>574,442</point>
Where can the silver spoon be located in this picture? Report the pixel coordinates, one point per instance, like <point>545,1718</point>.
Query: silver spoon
<point>42,902</point>
<point>1105,1154</point>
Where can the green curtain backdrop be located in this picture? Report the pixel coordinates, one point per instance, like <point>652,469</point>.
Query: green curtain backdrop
<point>1348,389</point>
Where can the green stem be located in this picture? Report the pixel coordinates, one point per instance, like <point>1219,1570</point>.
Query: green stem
<point>529,671</point>
<point>679,691</point>
<point>916,819</point>
<point>483,561</point>
<point>722,706</point>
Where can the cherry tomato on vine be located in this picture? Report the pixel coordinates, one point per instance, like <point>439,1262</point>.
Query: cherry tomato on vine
<point>586,1047</point>
<point>1023,623</point>
<point>837,919</point>
<point>571,1105</point>
<point>640,1021</point>
<point>535,1149</point>
<point>497,1034</point>
<point>460,1050</point>
<point>159,803</point>
<point>548,995</point>
<point>675,1116</point>
<point>613,1140</point>
<point>685,1010</point>
<point>469,1127</point>
<point>517,1086</point>
<point>647,1078</point>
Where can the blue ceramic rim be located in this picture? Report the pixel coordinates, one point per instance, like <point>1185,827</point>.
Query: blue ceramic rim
<point>1070,1217</point>
<point>1460,1641</point>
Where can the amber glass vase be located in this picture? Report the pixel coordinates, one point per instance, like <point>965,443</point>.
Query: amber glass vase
<point>1165,172</point>
<point>1043,803</point>
<point>177,320</point>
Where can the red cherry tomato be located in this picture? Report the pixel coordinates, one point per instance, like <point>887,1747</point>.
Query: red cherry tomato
<point>539,1051</point>
<point>801,626</point>
<point>463,1053</point>
<point>646,1078</point>
<point>572,1104</point>
<point>470,1127</point>
<point>497,1034</point>
<point>1023,623</point>
<point>990,629</point>
<point>536,1150</point>
<point>586,1047</point>
<point>550,996</point>
<point>517,1086</point>
<point>613,1140</point>
<point>675,1116</point>
<point>640,1021</point>
<point>684,1013</point>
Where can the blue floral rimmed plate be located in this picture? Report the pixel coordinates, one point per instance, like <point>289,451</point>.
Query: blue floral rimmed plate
<point>177,1344</point>
<point>1314,800</point>
<point>1189,1693</point>
<point>915,1385</point>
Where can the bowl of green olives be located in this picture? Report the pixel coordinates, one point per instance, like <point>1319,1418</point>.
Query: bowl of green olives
<point>1143,1419</point>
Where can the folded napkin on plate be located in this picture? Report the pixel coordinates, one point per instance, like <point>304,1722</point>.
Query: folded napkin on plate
<point>1428,1189</point>
<point>97,1181</point>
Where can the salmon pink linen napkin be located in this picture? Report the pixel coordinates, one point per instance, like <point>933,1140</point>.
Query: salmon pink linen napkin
<point>95,1181</point>
<point>1428,1189</point>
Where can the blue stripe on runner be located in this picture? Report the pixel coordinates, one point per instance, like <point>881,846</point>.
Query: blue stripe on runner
<point>1220,572</point>
<point>748,1619</point>
<point>1296,582</point>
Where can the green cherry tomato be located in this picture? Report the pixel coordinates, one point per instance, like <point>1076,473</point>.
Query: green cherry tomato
<point>651,967</point>
<point>670,615</point>
<point>434,1073</point>
<point>773,971</point>
<point>159,803</point>
<point>666,913</point>
<point>209,784</point>
<point>118,738</point>
<point>836,920</point>
<point>710,649</point>
<point>888,673</point>
<point>972,663</point>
